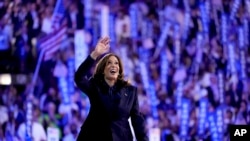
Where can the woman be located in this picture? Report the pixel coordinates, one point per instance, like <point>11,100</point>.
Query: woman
<point>112,99</point>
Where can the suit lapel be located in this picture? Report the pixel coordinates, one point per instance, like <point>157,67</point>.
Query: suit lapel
<point>119,103</point>
<point>125,96</point>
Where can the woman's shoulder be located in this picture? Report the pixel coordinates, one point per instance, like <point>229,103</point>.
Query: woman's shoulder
<point>131,87</point>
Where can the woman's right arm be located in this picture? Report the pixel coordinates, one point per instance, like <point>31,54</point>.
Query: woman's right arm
<point>81,78</point>
<point>81,74</point>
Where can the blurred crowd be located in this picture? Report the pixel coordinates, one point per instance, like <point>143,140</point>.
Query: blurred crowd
<point>189,61</point>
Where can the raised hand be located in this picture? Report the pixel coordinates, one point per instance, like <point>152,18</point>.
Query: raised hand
<point>102,47</point>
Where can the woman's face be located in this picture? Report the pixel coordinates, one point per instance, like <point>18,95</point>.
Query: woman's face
<point>111,70</point>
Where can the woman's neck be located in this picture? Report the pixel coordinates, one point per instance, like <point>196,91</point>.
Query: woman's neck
<point>110,82</point>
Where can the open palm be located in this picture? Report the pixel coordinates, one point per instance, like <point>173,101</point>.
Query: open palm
<point>102,46</point>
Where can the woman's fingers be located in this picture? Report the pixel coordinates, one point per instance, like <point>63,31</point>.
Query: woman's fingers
<point>103,45</point>
<point>105,40</point>
<point>100,40</point>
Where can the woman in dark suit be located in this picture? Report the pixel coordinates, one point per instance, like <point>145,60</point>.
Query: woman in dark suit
<point>112,99</point>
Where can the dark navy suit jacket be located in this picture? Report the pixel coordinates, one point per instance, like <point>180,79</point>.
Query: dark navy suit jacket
<point>110,109</point>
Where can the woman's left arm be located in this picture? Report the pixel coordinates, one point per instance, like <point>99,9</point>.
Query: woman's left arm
<point>137,119</point>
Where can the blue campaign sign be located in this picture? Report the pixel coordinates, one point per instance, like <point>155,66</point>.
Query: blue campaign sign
<point>212,126</point>
<point>112,30</point>
<point>164,70</point>
<point>71,73</point>
<point>63,87</point>
<point>204,8</point>
<point>219,122</point>
<point>185,110</point>
<point>203,113</point>
<point>246,31</point>
<point>235,7</point>
<point>215,120</point>
<point>153,98</point>
<point>133,13</point>
<point>224,26</point>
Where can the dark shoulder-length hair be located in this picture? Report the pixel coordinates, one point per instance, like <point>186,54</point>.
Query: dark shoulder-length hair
<point>100,66</point>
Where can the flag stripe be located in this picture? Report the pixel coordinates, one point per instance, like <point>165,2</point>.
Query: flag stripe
<point>53,43</point>
<point>49,38</point>
<point>55,47</point>
<point>49,55</point>
<point>47,43</point>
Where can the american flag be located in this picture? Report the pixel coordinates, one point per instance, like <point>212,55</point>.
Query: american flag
<point>52,42</point>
